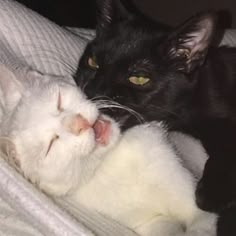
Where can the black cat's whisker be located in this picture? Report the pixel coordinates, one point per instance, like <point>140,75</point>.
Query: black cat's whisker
<point>111,104</point>
<point>132,112</point>
<point>163,110</point>
<point>100,97</point>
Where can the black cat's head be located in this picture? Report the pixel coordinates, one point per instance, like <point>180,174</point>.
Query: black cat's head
<point>143,65</point>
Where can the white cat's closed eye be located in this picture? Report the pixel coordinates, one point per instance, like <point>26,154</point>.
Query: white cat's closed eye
<point>54,138</point>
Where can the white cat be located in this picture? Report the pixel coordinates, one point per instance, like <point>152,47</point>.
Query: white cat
<point>62,143</point>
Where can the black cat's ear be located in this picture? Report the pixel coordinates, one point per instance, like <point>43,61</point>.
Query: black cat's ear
<point>109,12</point>
<point>190,41</point>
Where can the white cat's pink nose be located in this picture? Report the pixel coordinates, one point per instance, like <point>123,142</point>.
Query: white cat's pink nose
<point>76,124</point>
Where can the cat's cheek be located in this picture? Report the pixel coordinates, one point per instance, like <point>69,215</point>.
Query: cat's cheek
<point>66,152</point>
<point>58,177</point>
<point>29,169</point>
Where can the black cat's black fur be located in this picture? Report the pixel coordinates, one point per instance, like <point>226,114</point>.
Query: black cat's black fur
<point>191,86</point>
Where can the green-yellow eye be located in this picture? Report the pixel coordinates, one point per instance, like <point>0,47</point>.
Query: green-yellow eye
<point>92,62</point>
<point>139,80</point>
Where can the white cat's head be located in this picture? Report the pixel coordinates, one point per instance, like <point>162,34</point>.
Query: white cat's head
<point>57,136</point>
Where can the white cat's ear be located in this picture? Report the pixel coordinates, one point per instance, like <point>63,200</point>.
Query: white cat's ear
<point>9,153</point>
<point>189,43</point>
<point>10,87</point>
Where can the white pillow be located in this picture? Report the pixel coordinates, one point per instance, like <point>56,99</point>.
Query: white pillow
<point>31,40</point>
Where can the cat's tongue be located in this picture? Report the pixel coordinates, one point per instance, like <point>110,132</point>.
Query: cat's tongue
<point>102,130</point>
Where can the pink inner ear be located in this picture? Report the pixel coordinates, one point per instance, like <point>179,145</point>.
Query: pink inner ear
<point>198,43</point>
<point>198,40</point>
<point>8,148</point>
<point>13,154</point>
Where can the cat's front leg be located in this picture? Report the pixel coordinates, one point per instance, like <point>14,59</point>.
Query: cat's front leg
<point>204,225</point>
<point>217,187</point>
<point>161,226</point>
<point>215,190</point>
<point>226,223</point>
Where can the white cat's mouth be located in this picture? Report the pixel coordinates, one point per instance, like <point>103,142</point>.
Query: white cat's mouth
<point>78,124</point>
<point>102,130</point>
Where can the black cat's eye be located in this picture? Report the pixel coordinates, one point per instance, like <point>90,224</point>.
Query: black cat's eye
<point>54,138</point>
<point>92,62</point>
<point>139,80</point>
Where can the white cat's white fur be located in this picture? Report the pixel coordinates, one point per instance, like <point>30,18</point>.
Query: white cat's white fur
<point>137,179</point>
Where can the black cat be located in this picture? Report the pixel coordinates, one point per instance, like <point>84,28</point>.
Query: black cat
<point>171,75</point>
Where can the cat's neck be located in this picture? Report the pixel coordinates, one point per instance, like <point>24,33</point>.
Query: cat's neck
<point>213,79</point>
<point>213,85</point>
<point>89,168</point>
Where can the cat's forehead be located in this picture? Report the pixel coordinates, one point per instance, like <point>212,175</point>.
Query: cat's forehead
<point>49,98</point>
<point>125,39</point>
<point>46,102</point>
